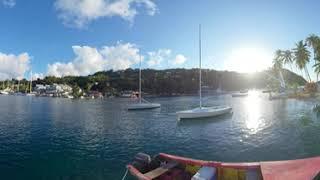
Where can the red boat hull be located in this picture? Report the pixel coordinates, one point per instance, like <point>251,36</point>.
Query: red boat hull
<point>273,170</point>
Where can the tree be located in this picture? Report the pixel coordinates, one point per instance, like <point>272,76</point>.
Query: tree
<point>302,57</point>
<point>288,58</point>
<point>278,60</point>
<point>317,68</point>
<point>313,41</point>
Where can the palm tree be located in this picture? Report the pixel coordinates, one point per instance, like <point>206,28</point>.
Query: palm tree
<point>313,41</point>
<point>278,64</point>
<point>288,58</point>
<point>317,68</point>
<point>302,57</point>
<point>278,59</point>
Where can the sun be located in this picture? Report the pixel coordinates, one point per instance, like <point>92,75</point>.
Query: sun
<point>248,60</point>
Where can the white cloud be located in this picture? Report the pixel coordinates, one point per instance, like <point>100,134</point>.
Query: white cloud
<point>14,66</point>
<point>89,60</point>
<point>156,58</point>
<point>180,59</point>
<point>78,13</point>
<point>36,76</point>
<point>9,3</point>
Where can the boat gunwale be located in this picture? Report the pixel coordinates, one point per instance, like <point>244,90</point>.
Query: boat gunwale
<point>184,160</point>
<point>217,164</point>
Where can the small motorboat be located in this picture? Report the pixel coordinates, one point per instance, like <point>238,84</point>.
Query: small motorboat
<point>244,91</point>
<point>143,105</point>
<point>165,167</point>
<point>202,112</point>
<point>4,92</point>
<point>240,94</point>
<point>266,91</point>
<point>282,95</point>
<point>30,94</point>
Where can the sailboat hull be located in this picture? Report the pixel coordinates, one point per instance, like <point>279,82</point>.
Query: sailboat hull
<point>241,94</point>
<point>141,106</point>
<point>203,112</point>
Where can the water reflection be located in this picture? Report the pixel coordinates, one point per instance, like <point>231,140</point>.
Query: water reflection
<point>254,120</point>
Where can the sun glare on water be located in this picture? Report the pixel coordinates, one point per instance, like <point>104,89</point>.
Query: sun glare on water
<point>248,60</point>
<point>254,121</point>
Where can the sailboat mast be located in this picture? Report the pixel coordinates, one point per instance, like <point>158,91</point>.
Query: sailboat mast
<point>200,78</point>
<point>31,82</point>
<point>18,85</point>
<point>140,80</point>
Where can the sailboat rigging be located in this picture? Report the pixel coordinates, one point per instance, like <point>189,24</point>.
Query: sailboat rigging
<point>201,112</point>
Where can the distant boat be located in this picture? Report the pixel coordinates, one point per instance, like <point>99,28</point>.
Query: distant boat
<point>71,97</point>
<point>165,166</point>
<point>30,94</point>
<point>282,95</point>
<point>202,112</point>
<point>266,91</point>
<point>240,94</point>
<point>19,94</point>
<point>143,104</point>
<point>244,91</point>
<point>4,92</point>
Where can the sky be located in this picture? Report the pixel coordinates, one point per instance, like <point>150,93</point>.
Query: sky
<point>80,37</point>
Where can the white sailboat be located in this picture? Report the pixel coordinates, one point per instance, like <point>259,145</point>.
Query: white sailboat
<point>143,104</point>
<point>30,87</point>
<point>202,112</point>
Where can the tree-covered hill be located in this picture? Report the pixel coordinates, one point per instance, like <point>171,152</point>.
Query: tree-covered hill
<point>166,82</point>
<point>173,81</point>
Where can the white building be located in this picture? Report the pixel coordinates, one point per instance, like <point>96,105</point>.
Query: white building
<point>55,89</point>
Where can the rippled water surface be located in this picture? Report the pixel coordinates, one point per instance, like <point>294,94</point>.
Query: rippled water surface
<point>51,138</point>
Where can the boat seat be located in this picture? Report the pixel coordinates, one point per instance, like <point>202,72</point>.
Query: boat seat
<point>161,170</point>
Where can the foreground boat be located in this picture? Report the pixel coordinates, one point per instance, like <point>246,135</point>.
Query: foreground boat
<point>203,112</point>
<point>166,167</point>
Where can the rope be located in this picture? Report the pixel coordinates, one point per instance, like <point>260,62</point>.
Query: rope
<point>145,100</point>
<point>125,175</point>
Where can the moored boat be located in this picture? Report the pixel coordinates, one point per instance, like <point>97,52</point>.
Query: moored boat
<point>165,167</point>
<point>266,91</point>
<point>240,94</point>
<point>203,112</point>
<point>139,106</point>
<point>142,104</point>
<point>4,92</point>
<point>282,95</point>
<point>244,91</point>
